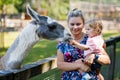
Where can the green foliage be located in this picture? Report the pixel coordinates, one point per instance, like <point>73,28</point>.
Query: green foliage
<point>11,6</point>
<point>20,5</point>
<point>109,34</point>
<point>57,9</point>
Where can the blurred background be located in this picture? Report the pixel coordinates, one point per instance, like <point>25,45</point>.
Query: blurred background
<point>13,14</point>
<point>13,18</point>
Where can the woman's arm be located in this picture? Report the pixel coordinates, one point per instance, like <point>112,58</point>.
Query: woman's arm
<point>104,59</point>
<point>65,66</point>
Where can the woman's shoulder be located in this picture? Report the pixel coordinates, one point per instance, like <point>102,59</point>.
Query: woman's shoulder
<point>61,44</point>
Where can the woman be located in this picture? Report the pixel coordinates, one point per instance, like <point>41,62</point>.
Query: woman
<point>69,57</point>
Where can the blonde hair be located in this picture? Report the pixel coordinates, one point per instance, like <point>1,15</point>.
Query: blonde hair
<point>96,24</point>
<point>75,13</point>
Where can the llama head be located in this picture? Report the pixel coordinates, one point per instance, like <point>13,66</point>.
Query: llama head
<point>48,27</point>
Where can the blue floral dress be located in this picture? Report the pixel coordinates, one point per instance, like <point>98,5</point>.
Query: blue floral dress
<point>72,54</point>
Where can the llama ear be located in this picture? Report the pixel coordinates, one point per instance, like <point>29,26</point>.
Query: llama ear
<point>32,13</point>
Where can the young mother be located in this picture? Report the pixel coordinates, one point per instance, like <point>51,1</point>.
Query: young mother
<point>69,57</point>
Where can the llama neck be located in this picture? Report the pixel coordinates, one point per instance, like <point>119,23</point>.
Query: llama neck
<point>20,48</point>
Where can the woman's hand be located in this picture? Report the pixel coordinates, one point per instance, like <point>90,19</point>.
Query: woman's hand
<point>83,67</point>
<point>85,64</point>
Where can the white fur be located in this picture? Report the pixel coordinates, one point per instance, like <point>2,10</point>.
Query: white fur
<point>26,37</point>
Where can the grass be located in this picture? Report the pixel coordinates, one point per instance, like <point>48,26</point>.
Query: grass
<point>41,50</point>
<point>46,48</point>
<point>109,34</point>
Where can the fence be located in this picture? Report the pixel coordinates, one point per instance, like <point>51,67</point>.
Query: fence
<point>49,64</point>
<point>112,44</point>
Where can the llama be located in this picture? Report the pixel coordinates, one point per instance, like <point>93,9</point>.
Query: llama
<point>41,27</point>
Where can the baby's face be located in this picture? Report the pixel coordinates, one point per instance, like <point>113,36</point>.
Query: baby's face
<point>90,31</point>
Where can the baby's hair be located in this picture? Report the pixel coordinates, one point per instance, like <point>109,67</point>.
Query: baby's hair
<point>95,24</point>
<point>75,13</point>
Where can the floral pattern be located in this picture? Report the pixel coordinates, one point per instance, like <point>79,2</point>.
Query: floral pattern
<point>71,54</point>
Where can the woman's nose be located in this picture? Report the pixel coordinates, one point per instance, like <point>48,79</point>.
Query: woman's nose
<point>75,26</point>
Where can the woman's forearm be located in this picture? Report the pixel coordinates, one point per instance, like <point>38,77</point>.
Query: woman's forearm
<point>104,59</point>
<point>65,66</point>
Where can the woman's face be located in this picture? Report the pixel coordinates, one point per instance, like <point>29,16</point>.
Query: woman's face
<point>76,25</point>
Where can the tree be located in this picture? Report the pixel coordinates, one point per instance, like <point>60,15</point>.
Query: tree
<point>5,5</point>
<point>56,8</point>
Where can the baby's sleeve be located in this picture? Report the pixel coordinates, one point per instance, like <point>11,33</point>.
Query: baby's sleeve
<point>91,44</point>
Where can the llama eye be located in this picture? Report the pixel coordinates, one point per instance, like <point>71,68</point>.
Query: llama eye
<point>52,27</point>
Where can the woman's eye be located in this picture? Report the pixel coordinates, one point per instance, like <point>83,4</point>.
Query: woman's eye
<point>78,24</point>
<point>72,24</point>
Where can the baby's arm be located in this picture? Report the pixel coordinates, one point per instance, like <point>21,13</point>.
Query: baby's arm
<point>78,45</point>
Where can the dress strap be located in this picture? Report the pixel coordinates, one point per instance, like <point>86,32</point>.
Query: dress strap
<point>84,40</point>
